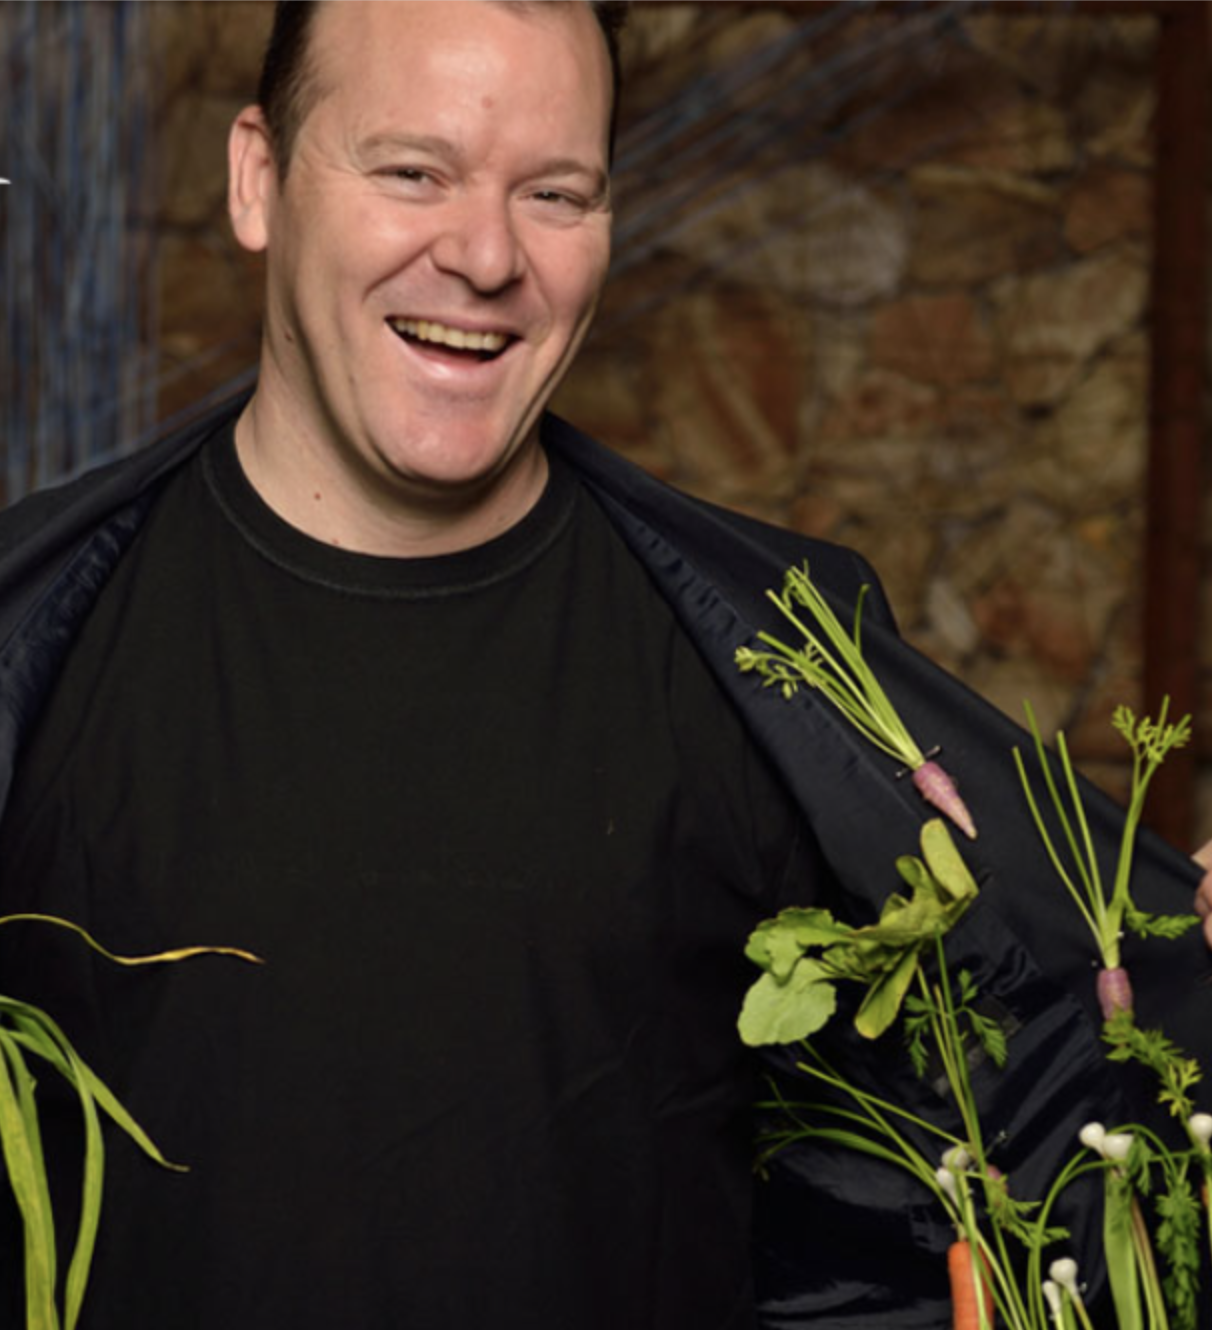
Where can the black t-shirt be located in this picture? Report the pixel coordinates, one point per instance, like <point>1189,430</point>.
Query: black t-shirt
<point>499,839</point>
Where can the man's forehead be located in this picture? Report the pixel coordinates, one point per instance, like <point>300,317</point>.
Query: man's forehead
<point>342,50</point>
<point>362,18</point>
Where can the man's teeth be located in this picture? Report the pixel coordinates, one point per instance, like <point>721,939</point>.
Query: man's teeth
<point>440,335</point>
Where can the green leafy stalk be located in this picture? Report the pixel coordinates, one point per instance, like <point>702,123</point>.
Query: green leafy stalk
<point>1176,1073</point>
<point>1106,914</point>
<point>22,1149</point>
<point>26,1030</point>
<point>1178,1239</point>
<point>1119,1249</point>
<point>831,662</point>
<point>873,1129</point>
<point>1041,1234</point>
<point>804,953</point>
<point>1150,742</point>
<point>1154,1301</point>
<point>946,1011</point>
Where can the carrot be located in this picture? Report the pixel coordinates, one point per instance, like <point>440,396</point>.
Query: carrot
<point>966,1300</point>
<point>938,789</point>
<point>1114,991</point>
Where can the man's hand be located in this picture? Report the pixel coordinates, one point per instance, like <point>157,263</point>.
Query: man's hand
<point>1203,893</point>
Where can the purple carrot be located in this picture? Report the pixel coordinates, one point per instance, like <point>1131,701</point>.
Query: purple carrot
<point>937,788</point>
<point>1114,991</point>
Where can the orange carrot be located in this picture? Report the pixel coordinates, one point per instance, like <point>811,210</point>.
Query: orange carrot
<point>965,1300</point>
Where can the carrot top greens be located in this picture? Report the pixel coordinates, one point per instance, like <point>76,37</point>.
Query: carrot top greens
<point>1107,917</point>
<point>831,661</point>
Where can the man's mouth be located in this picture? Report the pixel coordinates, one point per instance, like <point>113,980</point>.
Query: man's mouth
<point>475,345</point>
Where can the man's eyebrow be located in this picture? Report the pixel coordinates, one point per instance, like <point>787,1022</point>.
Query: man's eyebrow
<point>571,166</point>
<point>435,145</point>
<point>393,142</point>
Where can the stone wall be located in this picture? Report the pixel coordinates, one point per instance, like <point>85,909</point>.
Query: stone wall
<point>880,277</point>
<point>209,54</point>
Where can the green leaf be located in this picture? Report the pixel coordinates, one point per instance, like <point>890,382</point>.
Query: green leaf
<point>915,874</point>
<point>27,1029</point>
<point>990,1036</point>
<point>90,1200</point>
<point>1144,924</point>
<point>1120,1252</point>
<point>1176,1073</point>
<point>782,1013</point>
<point>911,922</point>
<point>37,1031</point>
<point>22,1150</point>
<point>883,999</point>
<point>945,862</point>
<point>776,944</point>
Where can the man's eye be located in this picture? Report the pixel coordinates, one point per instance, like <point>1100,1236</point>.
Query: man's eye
<point>557,197</point>
<point>410,173</point>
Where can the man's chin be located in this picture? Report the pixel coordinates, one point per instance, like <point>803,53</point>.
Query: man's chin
<point>469,473</point>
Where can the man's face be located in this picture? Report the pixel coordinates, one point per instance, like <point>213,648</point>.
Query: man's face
<point>436,251</point>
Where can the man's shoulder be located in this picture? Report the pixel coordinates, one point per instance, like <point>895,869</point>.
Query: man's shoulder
<point>85,523</point>
<point>76,505</point>
<point>739,553</point>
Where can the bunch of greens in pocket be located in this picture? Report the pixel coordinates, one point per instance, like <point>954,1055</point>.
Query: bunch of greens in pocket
<point>805,953</point>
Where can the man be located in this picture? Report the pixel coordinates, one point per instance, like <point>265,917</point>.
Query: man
<point>429,701</point>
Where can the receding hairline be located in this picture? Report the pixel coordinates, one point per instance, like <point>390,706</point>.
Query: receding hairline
<point>305,84</point>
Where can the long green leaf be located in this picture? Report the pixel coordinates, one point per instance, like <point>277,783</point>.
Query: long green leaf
<point>39,1034</point>
<point>28,1019</point>
<point>21,1145</point>
<point>30,1029</point>
<point>1119,1250</point>
<point>91,1190</point>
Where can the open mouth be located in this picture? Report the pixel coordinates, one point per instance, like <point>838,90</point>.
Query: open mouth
<point>478,346</point>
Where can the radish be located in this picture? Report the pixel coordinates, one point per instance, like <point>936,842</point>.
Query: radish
<point>938,789</point>
<point>1114,991</point>
<point>831,661</point>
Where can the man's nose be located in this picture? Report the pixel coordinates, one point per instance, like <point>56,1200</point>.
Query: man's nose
<point>479,243</point>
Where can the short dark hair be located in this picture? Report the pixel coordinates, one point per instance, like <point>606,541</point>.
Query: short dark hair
<point>289,89</point>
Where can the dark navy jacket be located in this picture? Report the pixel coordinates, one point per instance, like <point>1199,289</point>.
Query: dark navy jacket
<point>840,1241</point>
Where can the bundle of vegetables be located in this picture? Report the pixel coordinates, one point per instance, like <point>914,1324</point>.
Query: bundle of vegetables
<point>25,1030</point>
<point>996,1261</point>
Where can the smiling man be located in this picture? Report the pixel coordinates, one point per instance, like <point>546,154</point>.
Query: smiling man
<point>435,254</point>
<point>366,680</point>
<point>417,692</point>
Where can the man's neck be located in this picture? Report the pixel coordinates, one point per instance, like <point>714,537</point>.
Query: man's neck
<point>375,515</point>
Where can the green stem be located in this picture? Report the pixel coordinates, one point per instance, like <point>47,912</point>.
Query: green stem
<point>1140,785</point>
<point>1108,927</point>
<point>1085,864</point>
<point>1143,1246</point>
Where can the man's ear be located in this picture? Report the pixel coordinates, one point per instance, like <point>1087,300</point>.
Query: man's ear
<point>252,179</point>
